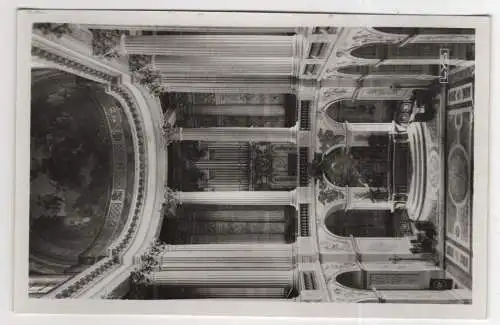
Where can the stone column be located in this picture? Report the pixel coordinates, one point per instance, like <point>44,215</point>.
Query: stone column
<point>240,110</point>
<point>226,65</point>
<point>230,84</point>
<point>222,165</point>
<point>239,239</point>
<point>234,278</point>
<point>238,197</point>
<point>232,256</point>
<point>242,134</point>
<point>240,216</point>
<point>242,293</point>
<point>266,46</point>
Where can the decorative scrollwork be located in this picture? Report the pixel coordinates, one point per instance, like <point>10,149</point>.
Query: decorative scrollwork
<point>106,43</point>
<point>51,28</point>
<point>148,262</point>
<point>328,138</point>
<point>171,198</point>
<point>137,62</point>
<point>327,195</point>
<point>151,79</point>
<point>169,132</point>
<point>335,92</point>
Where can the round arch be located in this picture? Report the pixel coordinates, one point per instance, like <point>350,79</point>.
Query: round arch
<point>418,51</point>
<point>361,223</point>
<point>352,279</point>
<point>362,110</point>
<point>391,69</point>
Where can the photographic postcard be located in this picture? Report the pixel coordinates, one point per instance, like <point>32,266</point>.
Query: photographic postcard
<point>267,164</point>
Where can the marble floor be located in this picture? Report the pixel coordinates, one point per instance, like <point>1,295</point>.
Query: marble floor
<point>447,198</point>
<point>459,182</point>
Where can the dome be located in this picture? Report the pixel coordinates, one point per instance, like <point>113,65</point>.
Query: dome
<point>81,173</point>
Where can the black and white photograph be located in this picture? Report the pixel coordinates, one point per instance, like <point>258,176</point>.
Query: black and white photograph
<point>302,160</point>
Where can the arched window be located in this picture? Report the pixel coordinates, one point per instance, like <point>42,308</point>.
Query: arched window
<point>417,51</point>
<point>352,279</point>
<point>391,69</point>
<point>362,223</point>
<point>363,111</point>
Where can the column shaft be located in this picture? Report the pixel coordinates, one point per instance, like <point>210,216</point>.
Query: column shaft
<point>224,66</point>
<point>244,134</point>
<point>238,198</point>
<point>232,293</point>
<point>240,215</point>
<point>225,278</point>
<point>210,45</point>
<point>229,85</point>
<point>240,238</point>
<point>240,110</point>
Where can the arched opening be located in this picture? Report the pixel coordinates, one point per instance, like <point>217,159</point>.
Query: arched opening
<point>363,223</point>
<point>352,279</point>
<point>363,111</point>
<point>195,110</point>
<point>418,51</point>
<point>392,69</point>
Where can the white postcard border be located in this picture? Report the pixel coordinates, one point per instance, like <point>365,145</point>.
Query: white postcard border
<point>250,308</point>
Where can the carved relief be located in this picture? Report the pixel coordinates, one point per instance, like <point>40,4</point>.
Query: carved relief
<point>336,93</point>
<point>345,295</point>
<point>327,195</point>
<point>171,198</point>
<point>55,29</point>
<point>335,244</point>
<point>106,43</point>
<point>330,138</point>
<point>331,270</point>
<point>365,36</point>
<point>169,132</point>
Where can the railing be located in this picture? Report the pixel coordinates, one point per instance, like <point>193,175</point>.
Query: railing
<point>304,220</point>
<point>303,166</point>
<point>309,280</point>
<point>305,115</point>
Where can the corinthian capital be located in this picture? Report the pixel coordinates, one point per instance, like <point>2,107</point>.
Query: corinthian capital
<point>171,198</point>
<point>170,133</point>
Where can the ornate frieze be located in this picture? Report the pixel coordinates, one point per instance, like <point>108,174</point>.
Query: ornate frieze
<point>335,245</point>
<point>170,133</point>
<point>73,66</point>
<point>363,36</point>
<point>342,294</point>
<point>151,79</point>
<point>147,263</point>
<point>137,62</point>
<point>171,198</point>
<point>52,28</point>
<point>89,276</point>
<point>106,43</point>
<point>330,94</point>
